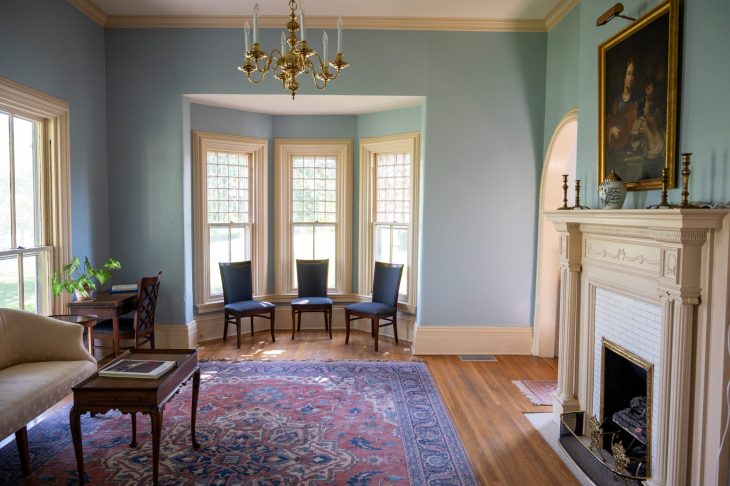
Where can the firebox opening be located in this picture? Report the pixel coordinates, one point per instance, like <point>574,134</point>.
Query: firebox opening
<point>626,406</point>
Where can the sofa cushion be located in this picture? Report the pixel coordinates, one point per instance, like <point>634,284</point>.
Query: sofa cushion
<point>29,389</point>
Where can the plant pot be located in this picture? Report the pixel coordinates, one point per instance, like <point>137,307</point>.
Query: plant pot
<point>81,297</point>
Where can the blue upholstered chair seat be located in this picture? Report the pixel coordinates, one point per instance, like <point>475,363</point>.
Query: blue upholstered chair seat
<point>248,306</point>
<point>370,308</point>
<point>312,301</point>
<point>126,325</point>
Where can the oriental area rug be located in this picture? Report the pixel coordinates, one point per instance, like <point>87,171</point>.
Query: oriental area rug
<point>538,392</point>
<point>269,423</point>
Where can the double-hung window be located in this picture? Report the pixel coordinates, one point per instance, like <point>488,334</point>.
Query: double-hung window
<point>229,177</point>
<point>389,209</point>
<point>34,192</point>
<point>313,209</point>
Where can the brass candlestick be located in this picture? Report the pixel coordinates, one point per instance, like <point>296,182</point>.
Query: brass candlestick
<point>565,192</point>
<point>577,196</point>
<point>664,202</point>
<point>685,180</point>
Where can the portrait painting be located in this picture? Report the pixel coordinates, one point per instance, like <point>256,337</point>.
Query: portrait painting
<point>637,70</point>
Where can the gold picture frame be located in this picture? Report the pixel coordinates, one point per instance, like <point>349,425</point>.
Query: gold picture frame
<point>637,100</point>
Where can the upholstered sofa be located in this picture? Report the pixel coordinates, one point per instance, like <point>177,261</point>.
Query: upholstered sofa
<point>40,359</point>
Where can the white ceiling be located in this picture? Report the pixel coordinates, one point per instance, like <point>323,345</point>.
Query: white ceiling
<point>306,104</point>
<point>476,9</point>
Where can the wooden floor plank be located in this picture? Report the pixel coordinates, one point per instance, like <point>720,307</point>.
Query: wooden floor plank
<point>485,406</point>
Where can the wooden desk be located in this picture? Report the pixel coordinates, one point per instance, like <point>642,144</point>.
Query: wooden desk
<point>87,321</point>
<point>98,394</point>
<point>106,306</point>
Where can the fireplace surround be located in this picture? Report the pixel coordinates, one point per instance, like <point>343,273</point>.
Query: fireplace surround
<point>655,282</point>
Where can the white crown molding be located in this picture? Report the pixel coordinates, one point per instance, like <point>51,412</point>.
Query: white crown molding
<point>92,11</point>
<point>559,13</point>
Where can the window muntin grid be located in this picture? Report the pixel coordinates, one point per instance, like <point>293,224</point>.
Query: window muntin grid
<point>393,188</point>
<point>314,189</point>
<point>228,188</point>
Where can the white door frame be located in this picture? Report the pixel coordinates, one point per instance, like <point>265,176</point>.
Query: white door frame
<point>559,160</point>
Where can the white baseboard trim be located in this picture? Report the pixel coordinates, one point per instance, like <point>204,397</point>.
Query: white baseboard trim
<point>210,326</point>
<point>176,336</point>
<point>472,340</point>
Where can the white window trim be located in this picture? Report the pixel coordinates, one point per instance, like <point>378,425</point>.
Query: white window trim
<point>284,149</point>
<point>258,150</point>
<point>369,147</point>
<point>56,181</point>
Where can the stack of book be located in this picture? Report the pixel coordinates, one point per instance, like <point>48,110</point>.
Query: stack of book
<point>123,288</point>
<point>135,368</point>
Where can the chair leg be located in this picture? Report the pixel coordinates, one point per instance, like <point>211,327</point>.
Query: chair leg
<point>328,320</point>
<point>293,321</point>
<point>21,440</point>
<point>273,315</point>
<point>299,321</point>
<point>238,331</point>
<point>376,330</point>
<point>152,340</point>
<point>347,327</point>
<point>252,325</point>
<point>395,327</point>
<point>225,327</point>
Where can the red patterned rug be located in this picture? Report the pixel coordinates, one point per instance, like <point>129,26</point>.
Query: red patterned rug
<point>539,392</point>
<point>269,423</point>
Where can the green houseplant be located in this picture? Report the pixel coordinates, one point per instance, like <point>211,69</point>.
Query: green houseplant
<point>80,280</point>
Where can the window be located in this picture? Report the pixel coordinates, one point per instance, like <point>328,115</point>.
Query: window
<point>313,208</point>
<point>389,209</point>
<point>34,195</point>
<point>229,177</point>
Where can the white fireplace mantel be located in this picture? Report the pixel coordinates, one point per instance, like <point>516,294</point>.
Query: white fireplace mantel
<point>676,259</point>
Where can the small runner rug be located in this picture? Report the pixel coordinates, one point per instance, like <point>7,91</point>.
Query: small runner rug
<point>266,423</point>
<point>539,392</point>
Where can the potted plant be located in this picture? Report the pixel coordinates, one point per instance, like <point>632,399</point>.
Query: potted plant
<point>80,280</point>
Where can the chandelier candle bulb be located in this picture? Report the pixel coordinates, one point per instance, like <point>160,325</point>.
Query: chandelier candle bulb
<point>283,42</point>
<point>246,30</point>
<point>325,40</point>
<point>256,23</point>
<point>301,21</point>
<point>339,34</point>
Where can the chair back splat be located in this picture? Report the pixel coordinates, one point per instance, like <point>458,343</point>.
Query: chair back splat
<point>144,318</point>
<point>312,278</point>
<point>386,283</point>
<point>237,281</point>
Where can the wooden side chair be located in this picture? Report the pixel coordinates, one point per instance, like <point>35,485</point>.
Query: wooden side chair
<point>386,282</point>
<point>312,293</point>
<point>238,299</point>
<point>139,327</point>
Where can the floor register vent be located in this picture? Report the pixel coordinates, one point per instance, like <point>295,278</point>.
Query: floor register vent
<point>478,357</point>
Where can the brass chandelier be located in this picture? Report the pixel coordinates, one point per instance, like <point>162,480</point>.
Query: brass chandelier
<point>298,58</point>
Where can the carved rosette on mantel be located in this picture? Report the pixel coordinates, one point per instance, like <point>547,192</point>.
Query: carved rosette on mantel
<point>672,260</point>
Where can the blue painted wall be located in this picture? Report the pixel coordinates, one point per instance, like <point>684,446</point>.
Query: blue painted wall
<point>561,81</point>
<point>704,97</point>
<point>54,48</point>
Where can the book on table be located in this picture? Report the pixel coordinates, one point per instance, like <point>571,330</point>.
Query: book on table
<point>123,288</point>
<point>136,368</point>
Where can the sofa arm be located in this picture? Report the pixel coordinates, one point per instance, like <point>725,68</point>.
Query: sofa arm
<point>29,337</point>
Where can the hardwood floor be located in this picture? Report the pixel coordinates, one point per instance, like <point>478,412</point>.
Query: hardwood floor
<point>485,406</point>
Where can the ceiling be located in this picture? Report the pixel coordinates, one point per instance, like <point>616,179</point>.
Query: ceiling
<point>476,9</point>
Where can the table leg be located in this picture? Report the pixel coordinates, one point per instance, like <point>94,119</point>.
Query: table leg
<point>134,430</point>
<point>194,411</point>
<point>115,335</point>
<point>156,419</point>
<point>75,421</point>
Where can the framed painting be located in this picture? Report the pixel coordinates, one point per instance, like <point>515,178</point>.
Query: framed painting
<point>637,100</point>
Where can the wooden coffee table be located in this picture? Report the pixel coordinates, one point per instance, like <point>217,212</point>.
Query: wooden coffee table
<point>98,394</point>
